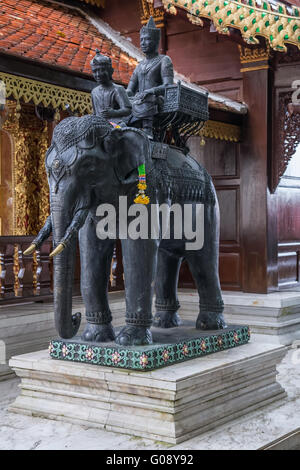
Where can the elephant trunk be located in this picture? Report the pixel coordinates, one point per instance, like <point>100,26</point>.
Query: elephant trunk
<point>67,325</point>
<point>42,236</point>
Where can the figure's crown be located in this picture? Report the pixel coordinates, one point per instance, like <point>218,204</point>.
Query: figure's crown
<point>100,59</point>
<point>151,29</point>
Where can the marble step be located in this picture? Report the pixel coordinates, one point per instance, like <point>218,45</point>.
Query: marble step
<point>170,405</point>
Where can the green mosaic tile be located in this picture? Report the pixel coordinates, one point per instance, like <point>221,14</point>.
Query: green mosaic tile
<point>193,344</point>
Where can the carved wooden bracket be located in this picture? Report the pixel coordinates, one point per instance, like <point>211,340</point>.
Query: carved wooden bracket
<point>286,136</point>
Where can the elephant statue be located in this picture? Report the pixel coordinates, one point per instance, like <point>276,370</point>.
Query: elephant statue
<point>90,163</point>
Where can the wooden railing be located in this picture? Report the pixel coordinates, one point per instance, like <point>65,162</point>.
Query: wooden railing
<point>30,277</point>
<point>24,276</point>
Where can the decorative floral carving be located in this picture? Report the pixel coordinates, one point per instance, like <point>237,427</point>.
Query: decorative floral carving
<point>144,360</point>
<point>221,131</point>
<point>258,54</point>
<point>116,357</point>
<point>41,93</point>
<point>147,9</point>
<point>31,194</point>
<point>287,138</point>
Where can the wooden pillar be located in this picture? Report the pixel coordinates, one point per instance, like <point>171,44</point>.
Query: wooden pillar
<point>259,223</point>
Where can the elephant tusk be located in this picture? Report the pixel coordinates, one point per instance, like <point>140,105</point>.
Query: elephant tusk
<point>30,249</point>
<point>57,250</point>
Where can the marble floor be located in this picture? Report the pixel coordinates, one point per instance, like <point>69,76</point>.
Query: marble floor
<point>18,432</point>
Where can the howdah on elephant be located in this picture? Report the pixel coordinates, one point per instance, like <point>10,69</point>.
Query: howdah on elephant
<point>89,163</point>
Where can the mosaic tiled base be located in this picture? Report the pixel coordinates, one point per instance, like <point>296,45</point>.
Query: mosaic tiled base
<point>170,347</point>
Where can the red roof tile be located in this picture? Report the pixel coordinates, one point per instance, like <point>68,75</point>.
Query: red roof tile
<point>56,35</point>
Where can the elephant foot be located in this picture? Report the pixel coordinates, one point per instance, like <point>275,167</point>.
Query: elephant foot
<point>98,333</point>
<point>165,319</point>
<point>210,321</point>
<point>134,336</point>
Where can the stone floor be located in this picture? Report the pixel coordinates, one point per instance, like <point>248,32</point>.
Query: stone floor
<point>250,432</point>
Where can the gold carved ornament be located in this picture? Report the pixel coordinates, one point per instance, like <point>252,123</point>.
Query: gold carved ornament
<point>147,9</point>
<point>220,131</point>
<point>280,26</point>
<point>255,58</point>
<point>45,94</point>
<point>30,188</point>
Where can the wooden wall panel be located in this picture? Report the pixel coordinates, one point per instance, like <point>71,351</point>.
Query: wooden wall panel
<point>219,158</point>
<point>204,57</point>
<point>288,220</point>
<point>230,270</point>
<point>288,266</point>
<point>229,213</point>
<point>287,193</point>
<point>222,160</point>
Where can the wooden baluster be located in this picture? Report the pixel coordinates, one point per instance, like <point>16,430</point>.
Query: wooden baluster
<point>76,282</point>
<point>37,269</point>
<point>25,276</point>
<point>17,268</point>
<point>44,268</point>
<point>7,278</point>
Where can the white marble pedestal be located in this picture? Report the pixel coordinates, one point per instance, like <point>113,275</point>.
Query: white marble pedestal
<point>170,405</point>
<point>30,327</point>
<point>274,318</point>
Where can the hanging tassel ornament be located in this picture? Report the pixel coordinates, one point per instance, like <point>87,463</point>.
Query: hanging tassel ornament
<point>141,197</point>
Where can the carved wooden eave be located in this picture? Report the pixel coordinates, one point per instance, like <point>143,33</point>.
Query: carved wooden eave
<point>279,24</point>
<point>221,131</point>
<point>286,136</point>
<point>45,94</point>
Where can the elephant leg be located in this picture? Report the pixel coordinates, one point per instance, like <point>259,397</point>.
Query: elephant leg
<point>204,266</point>
<point>205,273</point>
<point>208,285</point>
<point>95,260</point>
<point>166,281</point>
<point>139,261</point>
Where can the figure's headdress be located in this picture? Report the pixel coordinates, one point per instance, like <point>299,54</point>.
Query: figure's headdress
<point>100,59</point>
<point>151,29</point>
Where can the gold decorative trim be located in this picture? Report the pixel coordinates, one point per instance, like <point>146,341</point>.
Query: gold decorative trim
<point>257,54</point>
<point>43,199</point>
<point>147,10</point>
<point>221,131</point>
<point>0,163</point>
<point>278,23</point>
<point>11,125</point>
<point>45,94</point>
<point>252,69</point>
<point>29,181</point>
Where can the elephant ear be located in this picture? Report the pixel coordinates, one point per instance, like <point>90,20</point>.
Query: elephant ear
<point>130,148</point>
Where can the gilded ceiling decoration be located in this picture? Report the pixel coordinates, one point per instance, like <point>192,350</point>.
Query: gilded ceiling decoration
<point>278,23</point>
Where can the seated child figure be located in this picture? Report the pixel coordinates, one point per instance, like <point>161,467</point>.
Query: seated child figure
<point>109,100</point>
